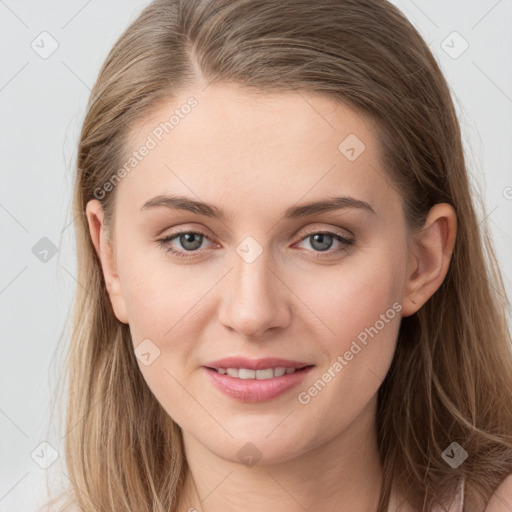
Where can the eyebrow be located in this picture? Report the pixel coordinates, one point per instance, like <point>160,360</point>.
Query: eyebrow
<point>303,210</point>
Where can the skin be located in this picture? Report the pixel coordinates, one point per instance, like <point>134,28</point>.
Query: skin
<point>255,156</point>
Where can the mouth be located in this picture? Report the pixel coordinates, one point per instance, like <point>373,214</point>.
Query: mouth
<point>263,380</point>
<point>264,374</point>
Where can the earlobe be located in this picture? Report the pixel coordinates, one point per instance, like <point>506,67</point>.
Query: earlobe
<point>431,251</point>
<point>104,250</point>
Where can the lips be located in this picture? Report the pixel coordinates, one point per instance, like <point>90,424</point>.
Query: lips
<point>256,380</point>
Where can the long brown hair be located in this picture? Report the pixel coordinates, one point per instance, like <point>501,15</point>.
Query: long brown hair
<point>451,377</point>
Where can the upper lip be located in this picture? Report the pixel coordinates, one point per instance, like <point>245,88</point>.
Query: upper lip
<point>255,364</point>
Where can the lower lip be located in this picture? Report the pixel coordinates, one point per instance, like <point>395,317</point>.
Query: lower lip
<point>254,390</point>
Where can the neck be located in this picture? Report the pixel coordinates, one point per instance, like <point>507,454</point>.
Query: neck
<point>344,474</point>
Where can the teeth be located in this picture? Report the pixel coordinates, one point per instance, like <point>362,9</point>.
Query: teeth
<point>264,374</point>
<point>232,372</point>
<point>278,372</point>
<point>244,373</point>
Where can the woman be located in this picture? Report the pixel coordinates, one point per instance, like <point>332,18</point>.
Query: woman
<point>286,301</point>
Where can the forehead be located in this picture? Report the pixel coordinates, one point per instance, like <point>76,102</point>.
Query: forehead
<point>249,150</point>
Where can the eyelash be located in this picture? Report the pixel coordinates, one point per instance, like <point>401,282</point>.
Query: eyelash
<point>346,243</point>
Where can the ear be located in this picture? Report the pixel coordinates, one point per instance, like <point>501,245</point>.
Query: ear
<point>430,253</point>
<point>105,252</point>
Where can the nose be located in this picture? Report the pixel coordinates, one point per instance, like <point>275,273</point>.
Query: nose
<point>254,298</point>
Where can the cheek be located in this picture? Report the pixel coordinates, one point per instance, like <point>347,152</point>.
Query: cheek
<point>164,304</point>
<point>360,302</point>
<point>351,296</point>
<point>160,294</point>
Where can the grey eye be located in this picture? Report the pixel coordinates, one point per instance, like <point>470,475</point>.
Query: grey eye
<point>321,241</point>
<point>190,241</point>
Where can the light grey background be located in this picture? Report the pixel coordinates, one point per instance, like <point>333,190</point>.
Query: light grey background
<point>42,102</point>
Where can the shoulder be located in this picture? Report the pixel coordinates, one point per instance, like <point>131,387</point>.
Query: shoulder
<point>501,500</point>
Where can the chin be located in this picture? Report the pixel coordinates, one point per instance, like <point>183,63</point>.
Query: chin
<point>260,448</point>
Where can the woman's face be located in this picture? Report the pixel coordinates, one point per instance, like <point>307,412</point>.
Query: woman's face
<point>255,281</point>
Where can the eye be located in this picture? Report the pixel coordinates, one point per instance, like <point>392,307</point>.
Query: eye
<point>190,242</point>
<point>322,241</point>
